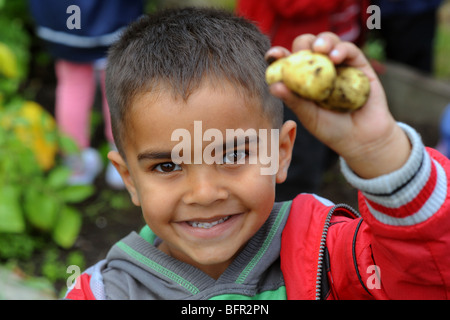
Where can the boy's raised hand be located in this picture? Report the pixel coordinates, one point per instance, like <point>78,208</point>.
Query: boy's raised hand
<point>369,138</point>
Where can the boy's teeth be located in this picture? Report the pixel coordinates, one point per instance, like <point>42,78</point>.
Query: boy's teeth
<point>207,225</point>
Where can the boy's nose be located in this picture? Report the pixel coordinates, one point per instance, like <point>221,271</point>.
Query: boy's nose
<point>204,188</point>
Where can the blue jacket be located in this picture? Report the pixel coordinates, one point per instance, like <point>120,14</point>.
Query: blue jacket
<point>405,7</point>
<point>100,24</point>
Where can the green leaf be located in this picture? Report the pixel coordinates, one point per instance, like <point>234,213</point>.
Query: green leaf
<point>58,177</point>
<point>17,246</point>
<point>76,193</point>
<point>41,209</point>
<point>11,217</point>
<point>67,144</point>
<point>67,227</point>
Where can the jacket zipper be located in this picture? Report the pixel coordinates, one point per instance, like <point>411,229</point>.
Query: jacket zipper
<point>323,240</point>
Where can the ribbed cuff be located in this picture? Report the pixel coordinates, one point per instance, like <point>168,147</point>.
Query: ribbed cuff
<point>409,195</point>
<point>392,182</point>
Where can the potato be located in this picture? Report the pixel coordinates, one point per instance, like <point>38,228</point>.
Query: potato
<point>350,92</point>
<point>313,76</point>
<point>309,74</point>
<point>274,71</point>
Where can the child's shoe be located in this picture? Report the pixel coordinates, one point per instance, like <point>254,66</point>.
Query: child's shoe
<point>85,167</point>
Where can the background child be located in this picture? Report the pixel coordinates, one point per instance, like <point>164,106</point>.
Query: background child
<point>80,54</point>
<point>213,229</point>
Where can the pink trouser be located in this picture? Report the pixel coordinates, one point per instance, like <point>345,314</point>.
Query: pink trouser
<point>75,93</point>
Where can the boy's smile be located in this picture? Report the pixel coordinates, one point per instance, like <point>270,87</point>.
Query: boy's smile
<point>204,213</point>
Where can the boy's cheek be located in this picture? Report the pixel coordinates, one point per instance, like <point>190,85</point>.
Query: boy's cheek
<point>260,193</point>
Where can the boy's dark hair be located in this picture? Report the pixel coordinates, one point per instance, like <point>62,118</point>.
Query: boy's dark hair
<point>176,49</point>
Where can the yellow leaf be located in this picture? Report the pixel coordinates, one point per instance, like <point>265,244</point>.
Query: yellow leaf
<point>8,64</point>
<point>40,124</point>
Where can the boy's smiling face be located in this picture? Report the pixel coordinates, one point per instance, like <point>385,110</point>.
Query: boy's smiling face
<point>204,213</point>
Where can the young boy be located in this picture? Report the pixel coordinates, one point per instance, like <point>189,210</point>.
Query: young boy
<point>213,230</point>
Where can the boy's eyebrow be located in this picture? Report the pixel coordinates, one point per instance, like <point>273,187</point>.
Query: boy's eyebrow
<point>167,155</point>
<point>154,155</point>
<point>248,140</point>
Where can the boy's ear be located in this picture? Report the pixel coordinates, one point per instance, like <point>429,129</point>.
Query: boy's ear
<point>122,167</point>
<point>287,139</point>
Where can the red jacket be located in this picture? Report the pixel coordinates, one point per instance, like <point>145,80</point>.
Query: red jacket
<point>283,20</point>
<point>395,251</point>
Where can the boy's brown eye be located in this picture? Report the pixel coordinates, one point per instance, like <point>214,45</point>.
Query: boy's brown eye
<point>167,167</point>
<point>236,156</point>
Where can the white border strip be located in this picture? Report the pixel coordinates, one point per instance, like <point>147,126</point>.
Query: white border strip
<point>388,183</point>
<point>430,207</point>
<point>406,195</point>
<point>73,40</point>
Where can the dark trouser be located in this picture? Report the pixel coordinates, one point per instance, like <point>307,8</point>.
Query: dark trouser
<point>410,39</point>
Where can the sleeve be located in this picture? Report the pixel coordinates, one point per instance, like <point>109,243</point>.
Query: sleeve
<point>404,240</point>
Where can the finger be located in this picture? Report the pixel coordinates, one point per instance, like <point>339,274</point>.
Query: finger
<point>305,110</point>
<point>290,98</point>
<point>280,90</point>
<point>348,53</point>
<point>276,53</point>
<point>342,52</point>
<point>303,42</point>
<point>325,42</point>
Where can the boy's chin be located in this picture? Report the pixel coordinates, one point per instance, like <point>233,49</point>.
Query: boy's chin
<point>212,261</point>
<point>215,257</point>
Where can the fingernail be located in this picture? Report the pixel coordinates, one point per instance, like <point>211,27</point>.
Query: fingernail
<point>334,53</point>
<point>272,50</point>
<point>319,42</point>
